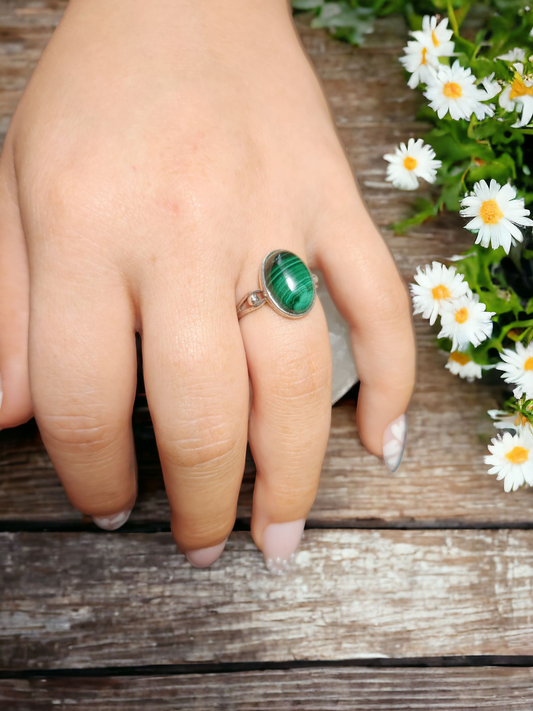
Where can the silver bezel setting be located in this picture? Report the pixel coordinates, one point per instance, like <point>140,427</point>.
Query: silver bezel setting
<point>253,300</point>
<point>268,294</point>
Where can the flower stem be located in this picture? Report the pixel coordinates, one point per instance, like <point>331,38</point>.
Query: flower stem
<point>453,18</point>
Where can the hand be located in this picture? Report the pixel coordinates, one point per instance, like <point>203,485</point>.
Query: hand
<point>160,151</point>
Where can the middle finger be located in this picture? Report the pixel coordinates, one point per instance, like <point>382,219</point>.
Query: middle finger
<point>197,390</point>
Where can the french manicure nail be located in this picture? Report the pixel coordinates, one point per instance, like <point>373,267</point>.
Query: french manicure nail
<point>111,523</point>
<point>394,442</point>
<point>204,557</point>
<point>280,543</point>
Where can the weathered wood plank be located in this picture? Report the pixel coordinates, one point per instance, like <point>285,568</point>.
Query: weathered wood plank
<point>341,689</point>
<point>95,600</point>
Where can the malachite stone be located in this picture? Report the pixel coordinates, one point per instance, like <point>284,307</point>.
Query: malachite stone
<point>289,282</point>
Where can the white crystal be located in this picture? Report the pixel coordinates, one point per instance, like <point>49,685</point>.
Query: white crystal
<point>344,373</point>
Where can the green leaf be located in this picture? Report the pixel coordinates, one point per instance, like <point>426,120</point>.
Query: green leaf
<point>452,194</point>
<point>502,169</point>
<point>346,22</point>
<point>424,210</point>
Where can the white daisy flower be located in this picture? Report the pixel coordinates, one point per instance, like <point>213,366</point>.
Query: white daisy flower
<point>465,321</point>
<point>453,90</point>
<point>504,420</point>
<point>492,88</point>
<point>517,368</point>
<point>408,163</point>
<point>495,211</point>
<point>508,420</point>
<point>519,95</point>
<point>436,285</point>
<point>420,61</point>
<point>514,55</point>
<point>460,257</point>
<point>462,365</point>
<point>436,35</point>
<point>511,457</point>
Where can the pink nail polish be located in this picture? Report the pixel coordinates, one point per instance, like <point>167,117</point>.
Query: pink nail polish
<point>280,543</point>
<point>204,557</point>
<point>111,523</point>
<point>394,442</point>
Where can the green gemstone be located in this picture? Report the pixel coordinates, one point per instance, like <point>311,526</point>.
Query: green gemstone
<point>289,282</point>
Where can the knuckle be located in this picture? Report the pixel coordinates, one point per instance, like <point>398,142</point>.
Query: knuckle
<point>295,491</point>
<point>200,532</point>
<point>108,498</point>
<point>303,374</point>
<point>203,443</point>
<point>183,202</point>
<point>393,304</point>
<point>65,192</point>
<point>397,387</point>
<point>74,431</point>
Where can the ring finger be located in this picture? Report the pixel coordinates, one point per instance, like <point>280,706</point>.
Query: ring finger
<point>290,368</point>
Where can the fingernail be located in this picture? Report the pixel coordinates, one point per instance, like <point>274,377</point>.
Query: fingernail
<point>1,392</point>
<point>280,543</point>
<point>111,523</point>
<point>394,442</point>
<point>204,557</point>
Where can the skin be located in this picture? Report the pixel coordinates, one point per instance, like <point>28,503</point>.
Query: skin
<point>158,153</point>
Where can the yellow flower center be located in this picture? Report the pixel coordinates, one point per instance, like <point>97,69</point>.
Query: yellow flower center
<point>521,420</point>
<point>490,212</point>
<point>460,358</point>
<point>436,42</point>
<point>517,455</point>
<point>461,315</point>
<point>410,163</point>
<point>518,88</point>
<point>440,292</point>
<point>424,52</point>
<point>528,365</point>
<point>451,90</point>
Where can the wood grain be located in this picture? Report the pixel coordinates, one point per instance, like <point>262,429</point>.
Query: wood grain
<point>442,480</point>
<point>339,689</point>
<point>83,600</point>
<point>74,600</point>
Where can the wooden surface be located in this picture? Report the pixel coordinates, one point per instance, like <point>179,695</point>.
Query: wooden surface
<point>337,689</point>
<point>122,607</point>
<point>129,600</point>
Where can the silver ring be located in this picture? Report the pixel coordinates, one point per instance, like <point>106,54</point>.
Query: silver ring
<point>285,283</point>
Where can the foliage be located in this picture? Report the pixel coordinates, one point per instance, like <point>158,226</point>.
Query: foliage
<point>469,151</point>
<point>495,148</point>
<point>351,20</point>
